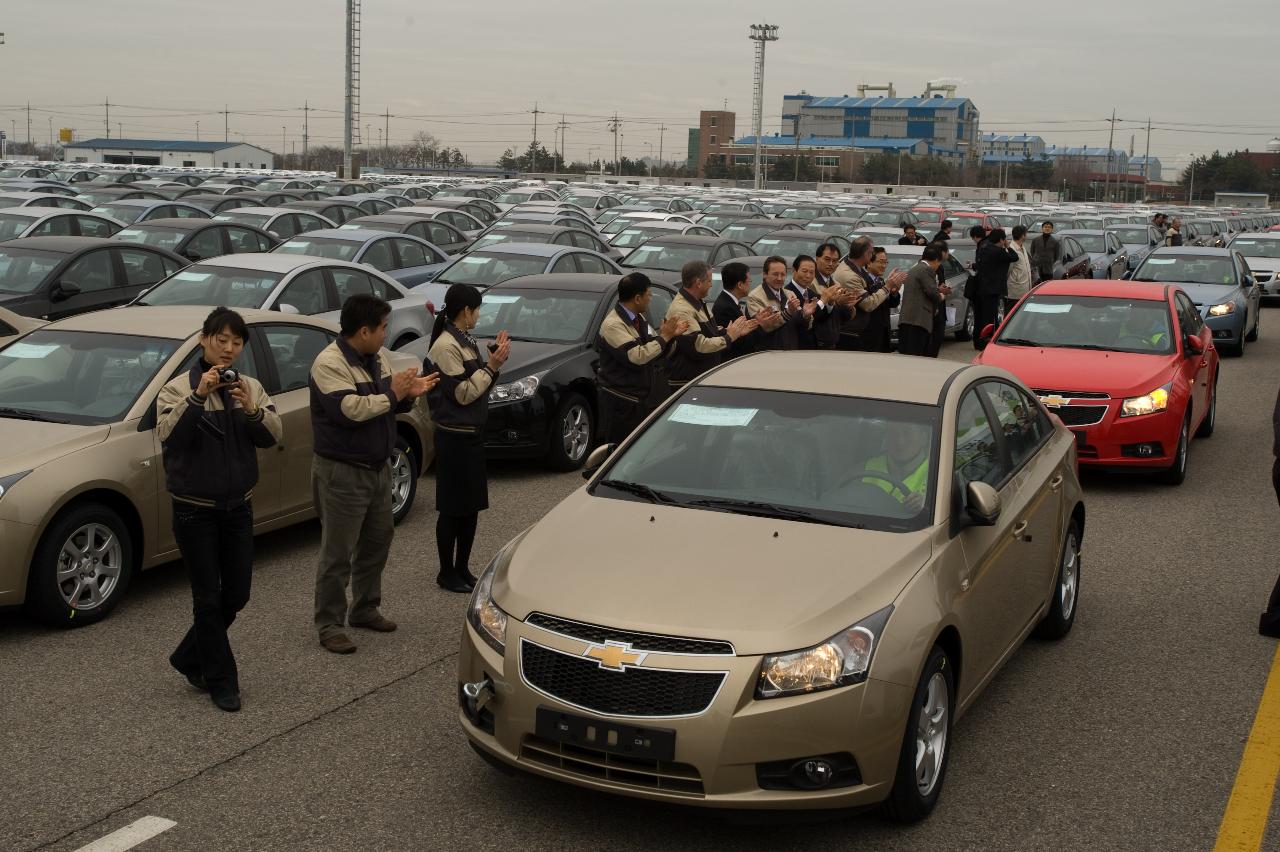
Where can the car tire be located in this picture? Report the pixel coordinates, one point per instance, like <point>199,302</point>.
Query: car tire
<point>965,331</point>
<point>405,469</point>
<point>1237,349</point>
<point>1257,322</point>
<point>101,538</point>
<point>570,437</point>
<point>928,732</point>
<point>1177,472</point>
<point>403,341</point>
<point>1205,428</point>
<point>1066,589</point>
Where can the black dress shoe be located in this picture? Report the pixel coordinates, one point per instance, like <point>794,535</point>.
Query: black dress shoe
<point>196,679</point>
<point>229,701</point>
<point>453,584</point>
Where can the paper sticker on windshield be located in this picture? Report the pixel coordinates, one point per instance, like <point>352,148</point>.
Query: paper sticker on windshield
<point>29,350</point>
<point>706,415</point>
<point>499,299</point>
<point>1046,308</point>
<point>1162,261</point>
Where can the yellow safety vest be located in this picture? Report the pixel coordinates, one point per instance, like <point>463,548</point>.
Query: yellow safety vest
<point>917,481</point>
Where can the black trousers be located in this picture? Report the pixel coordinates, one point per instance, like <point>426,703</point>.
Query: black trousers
<point>618,417</point>
<point>874,339</point>
<point>913,340</point>
<point>986,309</point>
<point>1271,618</point>
<point>217,545</point>
<point>938,334</point>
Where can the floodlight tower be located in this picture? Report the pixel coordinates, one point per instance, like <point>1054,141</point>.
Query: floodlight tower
<point>760,34</point>
<point>351,105</point>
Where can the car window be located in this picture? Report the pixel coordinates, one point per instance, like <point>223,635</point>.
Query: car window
<point>92,272</point>
<point>307,294</point>
<point>284,226</point>
<point>411,254</point>
<point>380,256</point>
<point>435,233</point>
<point>294,349</point>
<point>246,363</point>
<point>591,263</point>
<point>1021,421</point>
<point>310,223</point>
<point>1189,319</point>
<point>564,264</point>
<point>57,226</point>
<point>243,240</point>
<point>350,282</point>
<point>659,301</point>
<point>182,212</point>
<point>143,268</point>
<point>92,226</point>
<point>207,244</point>
<point>978,456</point>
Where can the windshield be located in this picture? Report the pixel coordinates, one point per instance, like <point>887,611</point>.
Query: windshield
<point>1088,223</point>
<point>748,233</point>
<point>1257,248</point>
<point>544,316</point>
<point>1132,236</point>
<point>23,271</point>
<point>257,220</point>
<point>485,270</point>
<point>1090,322</point>
<point>632,237</point>
<point>716,222</point>
<point>693,454</point>
<point>160,237</point>
<point>214,285</point>
<point>123,212</point>
<point>878,238</point>
<point>666,258</point>
<point>802,243</point>
<point>1095,243</point>
<point>1189,269</point>
<point>11,173</point>
<point>12,227</point>
<point>510,237</point>
<point>320,247</point>
<point>883,217</point>
<point>800,213</point>
<point>79,377</point>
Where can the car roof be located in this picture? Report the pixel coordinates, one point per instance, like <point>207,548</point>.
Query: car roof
<point>147,202</point>
<point>270,262</point>
<point>532,228</point>
<point>60,245</point>
<point>169,321</point>
<point>690,240</point>
<point>921,381</point>
<point>1146,290</point>
<point>1087,232</point>
<point>36,212</point>
<point>348,235</point>
<point>186,224</point>
<point>1256,235</point>
<point>1192,251</point>
<point>580,281</point>
<point>532,249</point>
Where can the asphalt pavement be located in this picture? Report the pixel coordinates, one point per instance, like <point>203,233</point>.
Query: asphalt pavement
<point>1126,735</point>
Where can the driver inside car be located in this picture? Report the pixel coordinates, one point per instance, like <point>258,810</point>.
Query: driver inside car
<point>905,463</point>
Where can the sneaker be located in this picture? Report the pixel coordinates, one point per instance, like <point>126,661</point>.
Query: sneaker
<point>379,622</point>
<point>338,643</point>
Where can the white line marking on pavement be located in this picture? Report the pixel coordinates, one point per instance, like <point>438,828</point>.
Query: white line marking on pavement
<point>130,836</point>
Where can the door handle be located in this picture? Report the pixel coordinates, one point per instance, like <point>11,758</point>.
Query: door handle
<point>1056,482</point>
<point>1019,529</point>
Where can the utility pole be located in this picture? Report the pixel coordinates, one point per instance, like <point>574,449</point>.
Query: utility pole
<point>283,144</point>
<point>351,102</point>
<point>306,111</point>
<point>533,151</point>
<point>1146,161</point>
<point>226,123</point>
<point>386,137</point>
<point>613,128</point>
<point>761,34</point>
<point>33,150</point>
<point>662,129</point>
<point>197,130</point>
<point>563,150</point>
<point>1111,139</point>
<point>1191,187</point>
<point>106,121</point>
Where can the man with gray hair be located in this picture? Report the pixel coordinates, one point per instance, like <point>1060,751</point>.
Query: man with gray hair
<point>702,344</point>
<point>866,319</point>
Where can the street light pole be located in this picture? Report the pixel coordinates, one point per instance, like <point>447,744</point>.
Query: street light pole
<point>761,34</point>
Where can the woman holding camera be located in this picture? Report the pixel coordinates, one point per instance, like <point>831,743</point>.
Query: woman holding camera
<point>211,422</point>
<point>460,408</point>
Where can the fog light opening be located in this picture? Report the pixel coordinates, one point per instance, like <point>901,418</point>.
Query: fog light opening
<point>817,772</point>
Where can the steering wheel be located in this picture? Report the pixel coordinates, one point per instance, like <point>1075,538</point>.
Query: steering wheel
<point>865,473</point>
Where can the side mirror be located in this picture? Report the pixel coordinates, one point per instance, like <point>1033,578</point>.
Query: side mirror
<point>1066,258</point>
<point>63,290</point>
<point>1194,345</point>
<point>988,331</point>
<point>597,459</point>
<point>982,504</point>
<point>1248,281</point>
<point>1111,251</point>
<point>289,309</point>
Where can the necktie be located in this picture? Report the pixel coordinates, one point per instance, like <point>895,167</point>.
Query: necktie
<point>638,322</point>
<point>742,306</point>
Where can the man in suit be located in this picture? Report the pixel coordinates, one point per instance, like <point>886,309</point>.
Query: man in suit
<point>991,268</point>
<point>833,302</point>
<point>851,274</point>
<point>790,317</point>
<point>731,304</point>
<point>876,337</point>
<point>704,344</point>
<point>910,237</point>
<point>1045,252</point>
<point>939,331</point>
<point>944,232</point>
<point>922,299</point>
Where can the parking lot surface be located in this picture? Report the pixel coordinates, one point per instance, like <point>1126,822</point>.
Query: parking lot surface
<point>1126,735</point>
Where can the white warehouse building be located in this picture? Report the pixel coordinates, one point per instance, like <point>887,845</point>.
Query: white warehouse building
<point>176,153</point>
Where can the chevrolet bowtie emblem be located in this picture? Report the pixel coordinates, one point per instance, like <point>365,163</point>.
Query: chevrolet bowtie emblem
<point>615,656</point>
<point>1054,401</point>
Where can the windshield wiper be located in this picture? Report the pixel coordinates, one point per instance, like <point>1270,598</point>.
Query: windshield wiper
<point>1018,341</point>
<point>19,414</point>
<point>651,494</point>
<point>758,509</point>
<point>1150,280</point>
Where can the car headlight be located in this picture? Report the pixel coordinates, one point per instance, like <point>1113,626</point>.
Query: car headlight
<point>486,616</point>
<point>515,391</point>
<point>841,660</point>
<point>7,482</point>
<point>1157,400</point>
<point>1222,309</point>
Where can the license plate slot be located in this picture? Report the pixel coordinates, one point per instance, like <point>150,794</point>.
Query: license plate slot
<point>1079,433</point>
<point>612,737</point>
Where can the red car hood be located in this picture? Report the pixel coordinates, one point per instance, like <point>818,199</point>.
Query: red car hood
<point>1119,374</point>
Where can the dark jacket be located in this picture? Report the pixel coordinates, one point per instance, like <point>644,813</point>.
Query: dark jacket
<point>725,310</point>
<point>786,337</point>
<point>991,268</point>
<point>353,409</point>
<point>917,240</point>
<point>1044,251</point>
<point>921,299</point>
<point>460,402</point>
<point>210,447</point>
<point>698,349</point>
<point>629,355</point>
<point>1275,428</point>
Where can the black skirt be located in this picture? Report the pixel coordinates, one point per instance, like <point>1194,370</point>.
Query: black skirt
<point>462,485</point>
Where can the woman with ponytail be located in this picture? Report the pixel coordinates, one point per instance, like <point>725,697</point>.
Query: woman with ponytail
<point>460,407</point>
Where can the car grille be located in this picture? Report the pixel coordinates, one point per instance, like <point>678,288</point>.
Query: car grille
<point>638,641</point>
<point>1262,276</point>
<point>1080,415</point>
<point>680,778</point>
<point>581,682</point>
<point>1072,394</point>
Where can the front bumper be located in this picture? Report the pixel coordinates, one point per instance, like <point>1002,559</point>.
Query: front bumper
<point>517,429</point>
<point>1226,329</point>
<point>1146,441</point>
<point>716,752</point>
<point>18,543</point>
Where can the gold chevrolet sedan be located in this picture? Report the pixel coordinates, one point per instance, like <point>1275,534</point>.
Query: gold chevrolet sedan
<point>783,589</point>
<point>82,498</point>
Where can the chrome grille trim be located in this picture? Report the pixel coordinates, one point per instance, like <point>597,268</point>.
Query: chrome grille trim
<point>654,643</point>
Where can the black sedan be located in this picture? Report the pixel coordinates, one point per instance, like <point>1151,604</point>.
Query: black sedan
<point>661,258</point>
<point>218,203</point>
<point>440,234</point>
<point>545,403</point>
<point>337,210</point>
<point>198,239</point>
<point>56,277</point>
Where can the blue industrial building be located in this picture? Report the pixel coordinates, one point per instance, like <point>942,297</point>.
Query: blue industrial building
<point>947,126</point>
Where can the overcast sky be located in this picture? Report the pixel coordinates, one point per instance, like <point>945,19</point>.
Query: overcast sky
<point>470,73</point>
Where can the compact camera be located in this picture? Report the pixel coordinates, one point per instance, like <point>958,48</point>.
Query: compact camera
<point>228,376</point>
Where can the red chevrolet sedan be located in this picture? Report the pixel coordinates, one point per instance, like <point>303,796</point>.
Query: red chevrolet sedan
<point>1129,367</point>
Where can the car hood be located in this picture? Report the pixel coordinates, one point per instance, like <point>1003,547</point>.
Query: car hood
<point>1263,264</point>
<point>27,444</point>
<point>1210,294</point>
<point>1119,374</point>
<point>733,578</point>
<point>529,357</point>
<point>657,276</point>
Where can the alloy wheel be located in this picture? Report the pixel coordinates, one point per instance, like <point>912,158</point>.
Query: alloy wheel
<point>1069,576</point>
<point>931,734</point>
<point>575,430</point>
<point>401,479</point>
<point>970,322</point>
<point>89,566</point>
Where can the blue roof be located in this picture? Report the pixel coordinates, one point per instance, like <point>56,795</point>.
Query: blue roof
<point>992,137</point>
<point>832,141</point>
<point>1008,158</point>
<point>1082,151</point>
<point>156,145</point>
<point>887,103</point>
